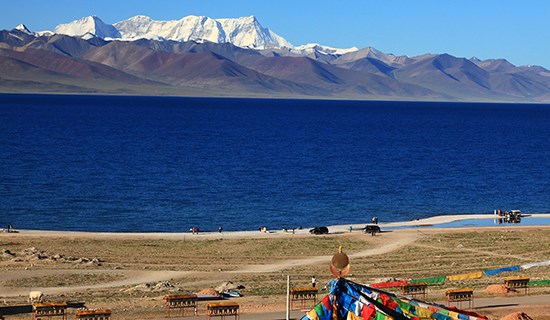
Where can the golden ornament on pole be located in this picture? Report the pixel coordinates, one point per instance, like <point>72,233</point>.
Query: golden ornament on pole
<point>339,265</point>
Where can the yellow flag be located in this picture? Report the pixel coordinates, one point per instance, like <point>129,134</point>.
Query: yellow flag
<point>464,276</point>
<point>352,316</point>
<point>312,315</point>
<point>424,313</point>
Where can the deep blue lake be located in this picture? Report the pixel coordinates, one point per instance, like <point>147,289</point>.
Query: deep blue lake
<point>165,164</point>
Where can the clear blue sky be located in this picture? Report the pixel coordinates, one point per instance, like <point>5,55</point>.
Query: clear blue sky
<point>518,30</point>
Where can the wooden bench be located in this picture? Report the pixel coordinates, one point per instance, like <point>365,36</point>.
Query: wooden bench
<point>182,302</point>
<point>222,309</point>
<point>94,315</point>
<point>49,310</point>
<point>459,295</point>
<point>514,283</point>
<point>414,289</point>
<point>302,295</point>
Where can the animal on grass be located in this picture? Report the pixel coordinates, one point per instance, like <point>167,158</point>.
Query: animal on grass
<point>35,296</point>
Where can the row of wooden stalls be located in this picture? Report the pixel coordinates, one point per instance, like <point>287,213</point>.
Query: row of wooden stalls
<point>183,304</point>
<point>347,300</point>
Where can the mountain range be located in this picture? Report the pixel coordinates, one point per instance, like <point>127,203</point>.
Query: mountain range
<point>239,57</point>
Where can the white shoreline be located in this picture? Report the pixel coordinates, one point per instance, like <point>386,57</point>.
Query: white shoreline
<point>431,221</point>
<point>437,220</point>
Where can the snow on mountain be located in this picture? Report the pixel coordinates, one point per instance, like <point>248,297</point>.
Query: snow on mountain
<point>245,32</point>
<point>23,28</point>
<point>88,36</point>
<point>44,33</point>
<point>370,52</point>
<point>91,24</point>
<point>315,47</point>
<point>186,29</point>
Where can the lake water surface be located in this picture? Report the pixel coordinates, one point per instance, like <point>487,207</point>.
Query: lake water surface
<point>165,164</point>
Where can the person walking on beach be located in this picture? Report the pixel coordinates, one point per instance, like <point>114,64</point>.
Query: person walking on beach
<point>313,281</point>
<point>220,229</point>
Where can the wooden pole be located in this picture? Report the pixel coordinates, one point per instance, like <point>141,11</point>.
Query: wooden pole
<point>288,297</point>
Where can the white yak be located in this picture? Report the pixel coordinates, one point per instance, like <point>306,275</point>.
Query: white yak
<point>35,296</point>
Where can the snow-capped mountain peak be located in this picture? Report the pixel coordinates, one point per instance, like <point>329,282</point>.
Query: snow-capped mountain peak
<point>248,32</point>
<point>23,28</point>
<point>90,24</point>
<point>315,47</point>
<point>134,26</point>
<point>245,32</point>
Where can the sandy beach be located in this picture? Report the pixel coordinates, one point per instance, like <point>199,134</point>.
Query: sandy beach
<point>130,273</point>
<point>335,229</point>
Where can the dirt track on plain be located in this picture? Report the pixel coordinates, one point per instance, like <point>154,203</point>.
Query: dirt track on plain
<point>259,261</point>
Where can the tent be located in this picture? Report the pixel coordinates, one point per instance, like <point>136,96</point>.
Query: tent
<point>351,301</point>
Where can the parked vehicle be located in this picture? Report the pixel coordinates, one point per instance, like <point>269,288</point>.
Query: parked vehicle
<point>319,230</point>
<point>512,216</point>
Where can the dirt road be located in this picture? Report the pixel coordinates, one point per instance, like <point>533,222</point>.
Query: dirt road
<point>392,241</point>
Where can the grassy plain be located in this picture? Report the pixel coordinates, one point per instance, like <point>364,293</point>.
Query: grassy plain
<point>260,264</point>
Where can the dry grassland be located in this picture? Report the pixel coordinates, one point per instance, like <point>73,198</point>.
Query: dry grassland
<point>261,264</point>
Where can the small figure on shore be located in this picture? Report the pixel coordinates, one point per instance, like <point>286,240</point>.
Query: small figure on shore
<point>220,229</point>
<point>9,227</point>
<point>313,281</point>
<point>350,228</point>
<point>194,230</point>
<point>375,220</point>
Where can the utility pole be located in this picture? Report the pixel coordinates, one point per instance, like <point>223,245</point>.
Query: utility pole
<point>288,297</point>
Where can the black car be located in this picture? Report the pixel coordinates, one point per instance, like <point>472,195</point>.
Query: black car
<point>370,228</point>
<point>319,230</point>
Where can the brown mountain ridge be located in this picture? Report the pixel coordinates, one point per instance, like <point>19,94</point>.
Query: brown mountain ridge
<point>61,63</point>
